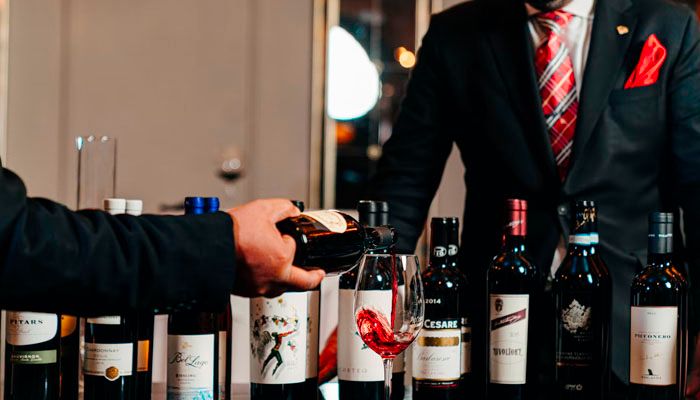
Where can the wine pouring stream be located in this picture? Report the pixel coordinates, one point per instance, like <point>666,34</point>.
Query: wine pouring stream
<point>405,308</point>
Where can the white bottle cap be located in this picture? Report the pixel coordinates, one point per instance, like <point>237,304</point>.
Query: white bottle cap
<point>134,207</point>
<point>115,206</point>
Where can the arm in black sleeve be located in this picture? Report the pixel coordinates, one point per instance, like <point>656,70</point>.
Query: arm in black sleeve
<point>684,109</point>
<point>414,158</point>
<point>88,262</point>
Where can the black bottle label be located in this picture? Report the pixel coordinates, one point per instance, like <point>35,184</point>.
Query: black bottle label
<point>576,346</point>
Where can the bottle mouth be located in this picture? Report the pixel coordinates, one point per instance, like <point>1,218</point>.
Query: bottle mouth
<point>384,236</point>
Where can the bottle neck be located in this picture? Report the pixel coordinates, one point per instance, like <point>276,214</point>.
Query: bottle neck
<point>659,259</point>
<point>514,243</point>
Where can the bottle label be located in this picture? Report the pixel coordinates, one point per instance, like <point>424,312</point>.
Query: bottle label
<point>332,220</point>
<point>439,251</point>
<point>577,344</point>
<point>581,239</point>
<point>466,356</point>
<point>452,250</point>
<point>144,353</point>
<point>68,325</point>
<point>356,361</point>
<point>223,349</point>
<point>314,301</point>
<point>278,339</point>
<point>509,314</point>
<point>33,357</point>
<point>27,328</point>
<point>111,361</point>
<point>107,320</point>
<point>437,352</point>
<point>653,341</point>
<point>191,367</point>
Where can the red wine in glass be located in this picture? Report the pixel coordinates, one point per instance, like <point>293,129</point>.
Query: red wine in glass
<point>377,311</point>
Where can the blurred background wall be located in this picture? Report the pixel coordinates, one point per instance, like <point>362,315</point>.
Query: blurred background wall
<point>181,84</point>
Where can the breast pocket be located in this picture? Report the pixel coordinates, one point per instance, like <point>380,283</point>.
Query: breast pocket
<point>635,95</point>
<point>634,125</point>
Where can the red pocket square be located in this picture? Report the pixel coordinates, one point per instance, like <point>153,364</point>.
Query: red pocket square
<point>650,61</point>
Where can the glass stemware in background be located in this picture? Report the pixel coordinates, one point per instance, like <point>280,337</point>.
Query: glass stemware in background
<point>389,288</point>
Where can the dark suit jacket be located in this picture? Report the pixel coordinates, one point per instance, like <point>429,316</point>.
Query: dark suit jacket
<point>89,262</point>
<point>635,151</point>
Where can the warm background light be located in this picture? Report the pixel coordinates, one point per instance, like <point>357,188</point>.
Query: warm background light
<point>405,57</point>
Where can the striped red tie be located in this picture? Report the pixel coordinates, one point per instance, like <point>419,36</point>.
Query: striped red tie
<point>557,85</point>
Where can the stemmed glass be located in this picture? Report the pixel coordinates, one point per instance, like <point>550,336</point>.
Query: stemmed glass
<point>389,288</point>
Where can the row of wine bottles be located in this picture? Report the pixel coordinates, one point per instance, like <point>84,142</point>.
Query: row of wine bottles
<point>581,290</point>
<point>43,349</point>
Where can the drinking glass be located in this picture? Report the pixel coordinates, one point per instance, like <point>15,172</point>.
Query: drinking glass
<point>389,306</point>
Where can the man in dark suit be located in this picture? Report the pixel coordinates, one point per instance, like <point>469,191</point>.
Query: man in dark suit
<point>536,102</point>
<point>90,262</point>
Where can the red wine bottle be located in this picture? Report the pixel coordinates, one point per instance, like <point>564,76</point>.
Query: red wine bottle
<point>278,335</point>
<point>512,285</point>
<point>360,370</point>
<point>193,344</point>
<point>225,322</point>
<point>32,344</point>
<point>333,240</point>
<point>465,319</point>
<point>659,320</point>
<point>70,355</point>
<point>582,292</point>
<point>312,321</point>
<point>144,332</point>
<point>437,352</point>
<point>109,363</point>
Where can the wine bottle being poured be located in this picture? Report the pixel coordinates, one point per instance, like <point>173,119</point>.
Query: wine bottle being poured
<point>333,240</point>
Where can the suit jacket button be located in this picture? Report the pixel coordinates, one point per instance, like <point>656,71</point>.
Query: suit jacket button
<point>563,210</point>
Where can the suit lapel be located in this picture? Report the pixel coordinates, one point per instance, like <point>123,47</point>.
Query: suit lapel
<point>511,44</point>
<point>605,58</point>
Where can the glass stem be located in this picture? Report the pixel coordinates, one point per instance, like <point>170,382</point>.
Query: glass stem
<point>388,369</point>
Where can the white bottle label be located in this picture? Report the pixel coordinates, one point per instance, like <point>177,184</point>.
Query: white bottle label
<point>111,361</point>
<point>144,352</point>
<point>108,320</point>
<point>653,339</point>
<point>437,354</point>
<point>466,355</point>
<point>278,339</point>
<point>314,301</point>
<point>356,361</point>
<point>191,361</point>
<point>509,314</point>
<point>27,328</point>
<point>333,220</point>
<point>223,348</point>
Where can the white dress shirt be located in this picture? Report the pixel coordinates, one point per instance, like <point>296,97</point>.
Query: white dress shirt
<point>577,34</point>
<point>577,37</point>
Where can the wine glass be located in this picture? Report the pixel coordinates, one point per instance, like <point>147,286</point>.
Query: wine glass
<point>389,288</point>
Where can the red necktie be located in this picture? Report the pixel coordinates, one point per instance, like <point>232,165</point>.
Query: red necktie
<point>557,84</point>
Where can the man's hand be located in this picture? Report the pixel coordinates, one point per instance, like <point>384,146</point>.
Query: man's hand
<point>263,256</point>
<point>693,389</point>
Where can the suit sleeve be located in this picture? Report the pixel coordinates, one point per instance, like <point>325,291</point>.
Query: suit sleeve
<point>413,159</point>
<point>684,115</point>
<point>56,260</point>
